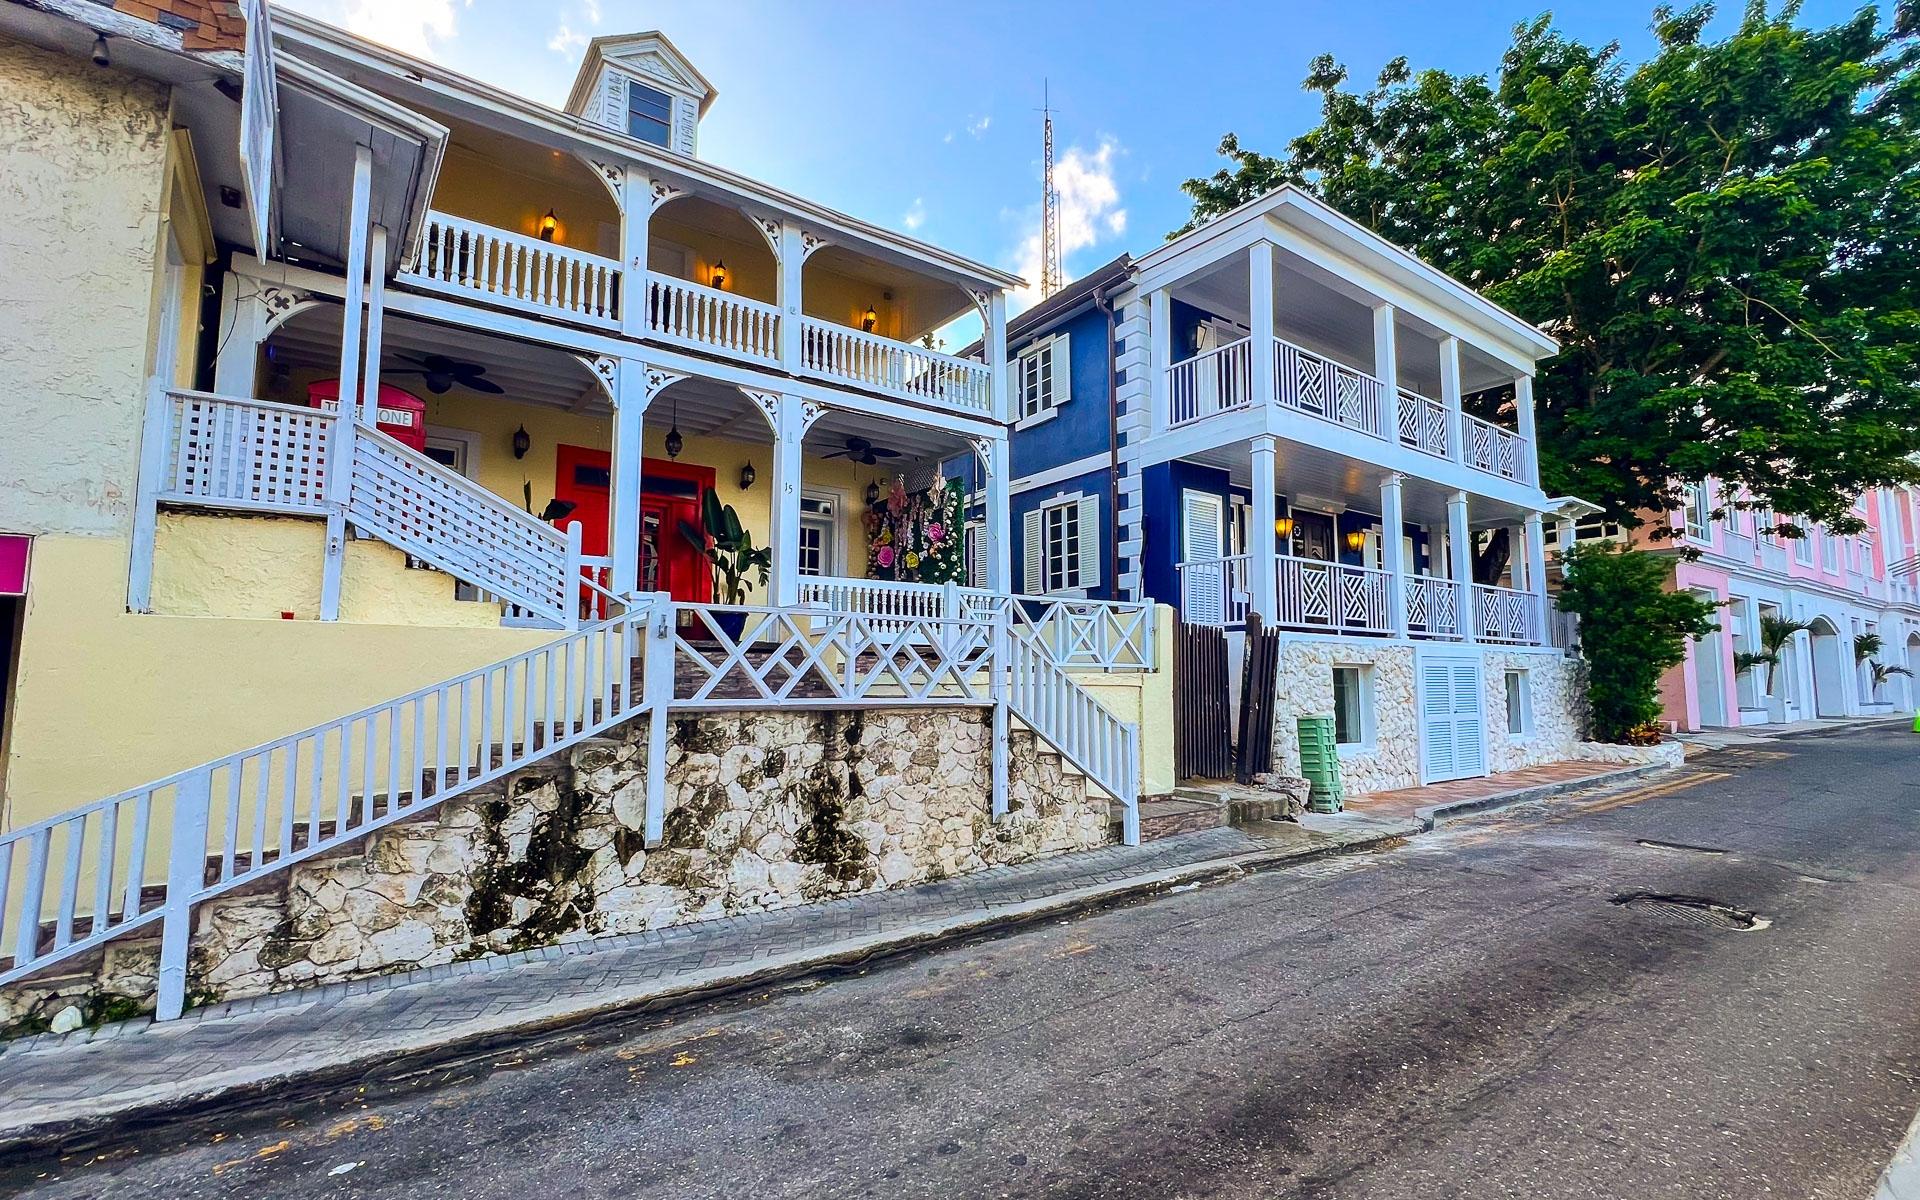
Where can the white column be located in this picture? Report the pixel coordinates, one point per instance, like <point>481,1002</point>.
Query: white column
<point>369,408</point>
<point>1536,539</point>
<point>1460,560</point>
<point>636,208</point>
<point>784,537</point>
<point>1450,398</point>
<point>243,324</point>
<point>1159,356</point>
<point>1523,424</point>
<point>1563,543</point>
<point>999,518</point>
<point>1393,552</point>
<point>340,460</point>
<point>1386,368</point>
<point>995,345</point>
<point>623,522</point>
<point>792,266</point>
<point>1263,572</point>
<point>1260,320</point>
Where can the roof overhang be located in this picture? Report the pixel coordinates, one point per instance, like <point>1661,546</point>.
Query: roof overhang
<point>1572,508</point>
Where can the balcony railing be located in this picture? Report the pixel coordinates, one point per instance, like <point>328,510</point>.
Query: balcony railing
<point>843,355</point>
<point>1214,382</point>
<point>235,453</point>
<point>705,318</point>
<point>475,261</point>
<point>1495,450</point>
<point>1423,425</point>
<point>1326,389</point>
<point>1315,596</point>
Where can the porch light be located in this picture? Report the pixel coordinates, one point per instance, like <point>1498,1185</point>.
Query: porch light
<point>675,443</point>
<point>747,476</point>
<point>548,224</point>
<point>100,56</point>
<point>719,276</point>
<point>873,494</point>
<point>1355,539</point>
<point>521,442</point>
<point>868,322</point>
<point>1283,526</point>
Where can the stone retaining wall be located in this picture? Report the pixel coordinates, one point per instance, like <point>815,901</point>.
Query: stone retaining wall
<point>765,809</point>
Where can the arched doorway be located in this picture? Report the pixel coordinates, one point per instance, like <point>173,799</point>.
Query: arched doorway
<point>1829,669</point>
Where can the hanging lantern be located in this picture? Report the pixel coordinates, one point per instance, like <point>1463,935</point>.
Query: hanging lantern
<point>675,443</point>
<point>1284,527</point>
<point>548,225</point>
<point>747,476</point>
<point>873,494</point>
<point>521,442</point>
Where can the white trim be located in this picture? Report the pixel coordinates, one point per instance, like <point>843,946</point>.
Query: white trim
<point>1076,501</point>
<point>1059,474</point>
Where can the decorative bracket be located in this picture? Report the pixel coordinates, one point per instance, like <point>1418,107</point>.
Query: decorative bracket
<point>658,380</point>
<point>613,175</point>
<point>278,304</point>
<point>659,193</point>
<point>983,450</point>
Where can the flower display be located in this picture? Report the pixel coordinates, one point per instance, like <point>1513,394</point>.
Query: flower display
<point>913,536</point>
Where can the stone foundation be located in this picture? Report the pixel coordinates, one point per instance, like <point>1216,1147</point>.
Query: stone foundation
<point>765,809</point>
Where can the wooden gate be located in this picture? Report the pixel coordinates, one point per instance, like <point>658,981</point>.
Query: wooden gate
<point>1202,724</point>
<point>1257,686</point>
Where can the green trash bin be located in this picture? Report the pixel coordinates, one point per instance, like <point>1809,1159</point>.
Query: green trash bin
<point>1320,764</point>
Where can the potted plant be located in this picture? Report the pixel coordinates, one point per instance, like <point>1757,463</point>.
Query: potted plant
<point>729,547</point>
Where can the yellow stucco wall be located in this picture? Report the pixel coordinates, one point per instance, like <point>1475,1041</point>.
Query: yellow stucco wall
<point>484,190</point>
<point>82,157</point>
<point>1146,699</point>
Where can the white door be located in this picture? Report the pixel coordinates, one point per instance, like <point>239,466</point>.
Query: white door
<point>1452,719</point>
<point>1202,540</point>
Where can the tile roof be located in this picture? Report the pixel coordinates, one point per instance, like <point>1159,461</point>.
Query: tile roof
<point>201,24</point>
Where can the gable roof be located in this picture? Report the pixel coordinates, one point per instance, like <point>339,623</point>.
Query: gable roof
<point>615,46</point>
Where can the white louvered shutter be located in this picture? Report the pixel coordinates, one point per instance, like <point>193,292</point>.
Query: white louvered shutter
<point>1091,542</point>
<point>1469,738</point>
<point>1033,580</point>
<point>1436,720</point>
<point>1205,588</point>
<point>977,554</point>
<point>1062,386</point>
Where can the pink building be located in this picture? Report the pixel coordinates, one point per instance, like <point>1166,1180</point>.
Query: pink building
<point>1843,588</point>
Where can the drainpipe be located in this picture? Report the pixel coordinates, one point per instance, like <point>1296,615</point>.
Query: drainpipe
<point>1105,306</point>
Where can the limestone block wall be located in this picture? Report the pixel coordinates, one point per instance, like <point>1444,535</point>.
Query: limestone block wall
<point>1392,760</point>
<point>765,809</point>
<point>1557,689</point>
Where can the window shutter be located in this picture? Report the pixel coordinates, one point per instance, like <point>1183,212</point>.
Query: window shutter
<point>1062,371</point>
<point>1091,542</point>
<point>977,554</point>
<point>1033,543</point>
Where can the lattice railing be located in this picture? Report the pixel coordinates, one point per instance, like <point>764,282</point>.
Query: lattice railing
<point>411,502</point>
<point>1423,424</point>
<point>1495,450</point>
<point>1507,615</point>
<point>476,261</point>
<point>1336,597</point>
<point>227,452</point>
<point>1433,607</point>
<point>729,656</point>
<point>895,368</point>
<point>1219,380</point>
<point>709,319</point>
<point>1315,384</point>
<point>145,856</point>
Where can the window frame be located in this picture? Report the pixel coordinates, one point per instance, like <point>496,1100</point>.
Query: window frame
<point>666,142</point>
<point>1066,580</point>
<point>1044,402</point>
<point>1362,697</point>
<point>1524,695</point>
<point>1696,515</point>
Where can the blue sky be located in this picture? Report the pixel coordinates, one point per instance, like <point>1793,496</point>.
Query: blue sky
<point>925,119</point>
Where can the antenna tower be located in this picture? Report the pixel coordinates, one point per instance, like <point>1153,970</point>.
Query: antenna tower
<point>1051,278</point>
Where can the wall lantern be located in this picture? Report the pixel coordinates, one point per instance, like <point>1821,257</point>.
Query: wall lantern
<point>1356,538</point>
<point>868,322</point>
<point>548,224</point>
<point>100,56</point>
<point>719,276</point>
<point>873,494</point>
<point>747,476</point>
<point>521,442</point>
<point>1284,527</point>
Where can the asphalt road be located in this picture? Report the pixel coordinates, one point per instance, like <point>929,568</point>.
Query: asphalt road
<point>1468,1015</point>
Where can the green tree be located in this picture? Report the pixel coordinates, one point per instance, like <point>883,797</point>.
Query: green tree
<point>1722,238</point>
<point>1632,629</point>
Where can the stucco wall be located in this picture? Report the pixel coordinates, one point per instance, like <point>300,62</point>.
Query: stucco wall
<point>1391,758</point>
<point>82,178</point>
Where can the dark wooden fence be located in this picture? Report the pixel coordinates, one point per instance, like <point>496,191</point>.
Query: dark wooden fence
<point>1257,684</point>
<point>1202,723</point>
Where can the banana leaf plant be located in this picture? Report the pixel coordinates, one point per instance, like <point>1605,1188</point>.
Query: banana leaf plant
<point>729,547</point>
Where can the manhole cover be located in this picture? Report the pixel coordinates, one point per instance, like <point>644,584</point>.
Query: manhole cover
<point>1692,910</point>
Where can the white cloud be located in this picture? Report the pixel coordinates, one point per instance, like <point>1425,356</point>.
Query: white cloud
<point>1090,211</point>
<point>566,41</point>
<point>916,214</point>
<point>414,26</point>
<point>977,126</point>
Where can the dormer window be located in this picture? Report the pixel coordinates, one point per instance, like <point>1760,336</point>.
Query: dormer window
<point>649,114</point>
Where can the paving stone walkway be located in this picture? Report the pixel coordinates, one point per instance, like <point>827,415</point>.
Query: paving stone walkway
<point>63,1083</point>
<point>1406,802</point>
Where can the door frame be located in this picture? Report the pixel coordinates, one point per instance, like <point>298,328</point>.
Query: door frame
<point>1421,658</point>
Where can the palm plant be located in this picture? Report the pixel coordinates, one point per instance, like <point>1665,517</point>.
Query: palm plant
<point>1883,672</point>
<point>729,547</point>
<point>1865,646</point>
<point>1775,633</point>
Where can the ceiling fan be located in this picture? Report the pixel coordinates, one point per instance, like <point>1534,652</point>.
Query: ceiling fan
<point>442,373</point>
<point>862,451</point>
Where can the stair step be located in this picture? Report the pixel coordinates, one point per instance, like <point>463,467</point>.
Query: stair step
<point>1165,816</point>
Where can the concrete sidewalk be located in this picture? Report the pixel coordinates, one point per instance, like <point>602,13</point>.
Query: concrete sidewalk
<point>60,1085</point>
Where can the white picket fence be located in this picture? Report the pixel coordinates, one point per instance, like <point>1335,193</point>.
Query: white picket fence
<point>479,262</point>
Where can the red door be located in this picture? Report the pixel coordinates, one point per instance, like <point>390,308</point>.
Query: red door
<point>670,493</point>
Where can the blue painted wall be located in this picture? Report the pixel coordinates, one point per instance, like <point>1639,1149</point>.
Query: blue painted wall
<point>1093,483</point>
<point>1080,426</point>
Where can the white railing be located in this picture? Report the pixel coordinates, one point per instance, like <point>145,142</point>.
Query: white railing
<point>1213,591</point>
<point>1503,614</point>
<point>879,597</point>
<point>1423,424</point>
<point>466,258</point>
<point>147,855</point>
<point>416,505</point>
<point>226,452</point>
<point>1317,385</point>
<point>1433,607</point>
<point>1333,596</point>
<point>1495,450</point>
<point>1217,381</point>
<point>1105,634</point>
<point>914,372</point>
<point>1066,716</point>
<point>597,598</point>
<point>735,656</point>
<point>709,319</point>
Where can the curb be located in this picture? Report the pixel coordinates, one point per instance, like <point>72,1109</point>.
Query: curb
<point>151,1108</point>
<point>1431,816</point>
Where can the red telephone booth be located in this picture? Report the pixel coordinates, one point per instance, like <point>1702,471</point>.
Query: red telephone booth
<point>402,416</point>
